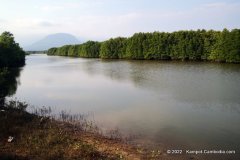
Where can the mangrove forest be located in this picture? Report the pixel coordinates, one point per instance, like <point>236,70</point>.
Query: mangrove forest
<point>220,46</point>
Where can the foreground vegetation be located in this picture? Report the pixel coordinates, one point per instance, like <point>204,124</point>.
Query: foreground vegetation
<point>38,136</point>
<point>11,54</point>
<point>222,46</point>
<point>11,57</point>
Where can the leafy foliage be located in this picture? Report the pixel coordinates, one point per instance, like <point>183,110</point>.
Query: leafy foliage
<point>222,46</point>
<point>11,55</point>
<point>113,48</point>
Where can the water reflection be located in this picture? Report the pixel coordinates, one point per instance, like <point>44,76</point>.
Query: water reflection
<point>192,104</point>
<point>189,83</point>
<point>8,82</point>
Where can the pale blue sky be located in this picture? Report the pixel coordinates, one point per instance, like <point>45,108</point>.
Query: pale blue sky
<point>31,20</point>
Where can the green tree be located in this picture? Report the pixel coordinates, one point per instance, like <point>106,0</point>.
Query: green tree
<point>181,45</point>
<point>11,55</point>
<point>113,48</point>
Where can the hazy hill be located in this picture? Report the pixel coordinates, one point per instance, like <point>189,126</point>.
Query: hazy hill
<point>53,40</point>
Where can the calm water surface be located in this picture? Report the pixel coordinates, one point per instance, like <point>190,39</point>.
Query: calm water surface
<point>175,104</point>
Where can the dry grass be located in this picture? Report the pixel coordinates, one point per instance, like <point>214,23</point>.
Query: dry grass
<point>38,136</point>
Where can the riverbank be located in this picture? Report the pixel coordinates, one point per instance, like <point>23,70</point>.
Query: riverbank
<point>37,136</point>
<point>32,136</point>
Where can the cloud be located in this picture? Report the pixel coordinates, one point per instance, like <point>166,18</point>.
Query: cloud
<point>46,24</point>
<point>207,16</point>
<point>100,26</point>
<point>2,20</point>
<point>66,6</point>
<point>28,30</point>
<point>215,5</point>
<point>30,23</point>
<point>52,8</point>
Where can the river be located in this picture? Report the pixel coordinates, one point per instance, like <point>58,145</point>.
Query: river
<point>169,104</point>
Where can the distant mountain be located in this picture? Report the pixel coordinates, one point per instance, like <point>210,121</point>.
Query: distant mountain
<point>53,40</point>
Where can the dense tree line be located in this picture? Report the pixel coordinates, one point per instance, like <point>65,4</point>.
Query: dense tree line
<point>223,46</point>
<point>11,55</point>
<point>89,49</point>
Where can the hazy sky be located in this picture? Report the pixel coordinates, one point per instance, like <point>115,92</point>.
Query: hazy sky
<point>31,20</point>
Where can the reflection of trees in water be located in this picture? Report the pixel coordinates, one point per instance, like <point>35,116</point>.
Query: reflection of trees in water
<point>119,70</point>
<point>142,74</point>
<point>8,82</point>
<point>198,85</point>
